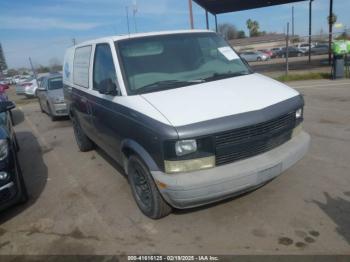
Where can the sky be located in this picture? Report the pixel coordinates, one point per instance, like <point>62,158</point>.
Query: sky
<point>43,29</point>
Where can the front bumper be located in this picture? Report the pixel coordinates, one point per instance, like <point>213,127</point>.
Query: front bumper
<point>60,109</point>
<point>20,90</point>
<point>7,192</point>
<point>211,185</point>
<point>29,92</point>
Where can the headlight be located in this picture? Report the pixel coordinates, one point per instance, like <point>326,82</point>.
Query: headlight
<point>3,149</point>
<point>184,166</point>
<point>299,113</point>
<point>58,100</point>
<point>185,147</point>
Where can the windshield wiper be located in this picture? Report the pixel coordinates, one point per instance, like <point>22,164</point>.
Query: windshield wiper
<point>218,76</point>
<point>167,84</point>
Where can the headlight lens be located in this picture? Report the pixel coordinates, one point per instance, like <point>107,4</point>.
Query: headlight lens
<point>185,147</point>
<point>299,113</point>
<point>3,149</point>
<point>190,165</point>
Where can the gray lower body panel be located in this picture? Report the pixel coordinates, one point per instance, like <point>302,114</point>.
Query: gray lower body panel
<point>211,185</point>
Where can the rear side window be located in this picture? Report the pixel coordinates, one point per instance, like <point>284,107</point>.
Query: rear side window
<point>104,71</point>
<point>81,66</point>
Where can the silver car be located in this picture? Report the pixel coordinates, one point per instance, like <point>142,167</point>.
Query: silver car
<point>50,96</point>
<point>253,56</point>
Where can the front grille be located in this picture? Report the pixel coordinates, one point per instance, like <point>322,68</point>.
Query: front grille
<point>253,140</point>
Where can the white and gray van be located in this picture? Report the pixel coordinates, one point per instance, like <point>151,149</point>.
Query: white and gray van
<point>183,114</point>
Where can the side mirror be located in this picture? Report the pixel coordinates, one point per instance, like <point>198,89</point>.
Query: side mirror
<point>6,106</point>
<point>107,87</point>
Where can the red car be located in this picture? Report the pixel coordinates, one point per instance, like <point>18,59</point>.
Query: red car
<point>3,96</point>
<point>268,52</point>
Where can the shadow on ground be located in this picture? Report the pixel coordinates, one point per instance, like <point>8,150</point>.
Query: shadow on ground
<point>338,209</point>
<point>34,171</point>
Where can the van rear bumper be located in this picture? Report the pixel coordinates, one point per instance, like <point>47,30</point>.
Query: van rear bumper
<point>198,188</point>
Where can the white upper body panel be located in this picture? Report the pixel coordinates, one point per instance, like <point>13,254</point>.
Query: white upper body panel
<point>216,99</point>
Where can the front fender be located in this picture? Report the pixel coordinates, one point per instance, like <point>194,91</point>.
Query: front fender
<point>128,145</point>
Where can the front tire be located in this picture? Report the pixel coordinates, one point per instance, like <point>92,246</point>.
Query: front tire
<point>53,118</point>
<point>84,143</point>
<point>23,189</point>
<point>145,191</point>
<point>41,107</point>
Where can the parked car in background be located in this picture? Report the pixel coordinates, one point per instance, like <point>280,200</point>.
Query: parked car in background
<point>252,56</point>
<point>304,47</point>
<point>275,51</point>
<point>267,52</point>
<point>50,96</point>
<point>321,49</point>
<point>27,88</point>
<point>3,89</point>
<point>12,186</point>
<point>194,126</point>
<point>5,81</point>
<point>292,52</point>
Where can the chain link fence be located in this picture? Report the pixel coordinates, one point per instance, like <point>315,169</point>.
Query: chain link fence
<point>269,54</point>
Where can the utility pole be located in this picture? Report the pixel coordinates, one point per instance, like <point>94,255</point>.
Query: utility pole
<point>293,21</point>
<point>191,13</point>
<point>330,32</point>
<point>287,50</point>
<point>33,70</point>
<point>310,29</point>
<point>134,11</point>
<point>127,19</point>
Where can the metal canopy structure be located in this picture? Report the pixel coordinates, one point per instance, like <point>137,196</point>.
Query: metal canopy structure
<point>227,6</point>
<point>216,7</point>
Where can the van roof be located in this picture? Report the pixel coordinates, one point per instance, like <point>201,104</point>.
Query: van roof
<point>128,36</point>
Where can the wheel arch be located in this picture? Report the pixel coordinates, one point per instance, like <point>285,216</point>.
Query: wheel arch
<point>130,147</point>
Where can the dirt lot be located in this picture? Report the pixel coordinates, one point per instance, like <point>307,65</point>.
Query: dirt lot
<point>81,204</point>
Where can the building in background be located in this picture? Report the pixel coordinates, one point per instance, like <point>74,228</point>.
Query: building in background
<point>3,65</point>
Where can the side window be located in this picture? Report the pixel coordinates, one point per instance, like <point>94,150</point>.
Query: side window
<point>104,76</point>
<point>43,84</point>
<point>81,66</point>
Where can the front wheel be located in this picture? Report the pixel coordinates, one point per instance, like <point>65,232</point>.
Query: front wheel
<point>51,115</point>
<point>145,191</point>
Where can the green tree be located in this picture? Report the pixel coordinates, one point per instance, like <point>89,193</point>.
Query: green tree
<point>241,34</point>
<point>228,31</point>
<point>253,27</point>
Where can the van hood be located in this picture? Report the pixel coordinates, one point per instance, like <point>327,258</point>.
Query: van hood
<point>217,99</point>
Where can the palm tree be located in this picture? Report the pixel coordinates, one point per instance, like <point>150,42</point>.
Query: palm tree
<point>253,27</point>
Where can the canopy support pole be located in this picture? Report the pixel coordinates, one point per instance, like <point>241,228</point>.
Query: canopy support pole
<point>216,23</point>
<point>207,19</point>
<point>191,13</point>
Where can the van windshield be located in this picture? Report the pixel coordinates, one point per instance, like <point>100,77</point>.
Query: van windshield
<point>164,62</point>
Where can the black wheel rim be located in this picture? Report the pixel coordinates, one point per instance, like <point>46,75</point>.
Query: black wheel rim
<point>142,188</point>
